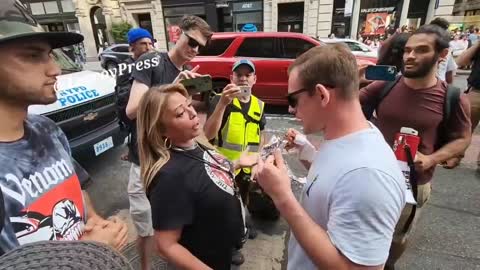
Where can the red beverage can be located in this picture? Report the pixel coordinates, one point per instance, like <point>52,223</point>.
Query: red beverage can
<point>406,138</point>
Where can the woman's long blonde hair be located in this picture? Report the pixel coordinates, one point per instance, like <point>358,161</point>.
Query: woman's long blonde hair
<point>153,152</point>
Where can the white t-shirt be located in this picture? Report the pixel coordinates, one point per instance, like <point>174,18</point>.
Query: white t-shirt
<point>445,66</point>
<point>356,192</point>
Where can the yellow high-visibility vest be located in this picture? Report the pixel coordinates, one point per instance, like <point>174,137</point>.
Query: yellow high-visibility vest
<point>241,131</point>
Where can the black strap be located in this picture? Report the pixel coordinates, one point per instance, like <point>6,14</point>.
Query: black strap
<point>451,103</point>
<point>247,117</point>
<point>213,165</point>
<point>368,109</point>
<point>414,185</point>
<point>216,166</point>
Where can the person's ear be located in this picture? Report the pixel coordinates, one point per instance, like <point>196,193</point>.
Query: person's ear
<point>231,78</point>
<point>254,78</point>
<point>444,53</point>
<point>322,94</point>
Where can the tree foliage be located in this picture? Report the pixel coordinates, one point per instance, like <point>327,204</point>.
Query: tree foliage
<point>119,31</point>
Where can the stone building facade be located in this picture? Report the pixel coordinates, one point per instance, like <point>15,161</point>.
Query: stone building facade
<point>317,18</point>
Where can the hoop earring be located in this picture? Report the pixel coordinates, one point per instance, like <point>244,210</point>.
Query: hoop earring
<point>55,87</point>
<point>167,143</point>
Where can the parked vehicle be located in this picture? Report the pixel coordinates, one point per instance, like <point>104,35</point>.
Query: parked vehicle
<point>112,56</point>
<point>357,48</point>
<point>271,52</point>
<point>85,109</point>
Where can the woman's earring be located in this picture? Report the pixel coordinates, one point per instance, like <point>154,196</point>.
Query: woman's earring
<point>167,143</point>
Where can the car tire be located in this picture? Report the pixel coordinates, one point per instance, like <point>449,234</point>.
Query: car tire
<point>111,65</point>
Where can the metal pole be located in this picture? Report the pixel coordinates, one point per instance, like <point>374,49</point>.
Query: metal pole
<point>354,19</point>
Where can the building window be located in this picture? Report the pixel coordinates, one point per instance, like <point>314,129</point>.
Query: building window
<point>73,27</point>
<point>67,6</point>
<point>51,7</point>
<point>247,13</point>
<point>257,47</point>
<point>46,7</point>
<point>37,8</point>
<point>172,17</point>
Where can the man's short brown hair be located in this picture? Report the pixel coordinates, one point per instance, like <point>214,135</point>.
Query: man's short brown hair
<point>330,65</point>
<point>191,22</point>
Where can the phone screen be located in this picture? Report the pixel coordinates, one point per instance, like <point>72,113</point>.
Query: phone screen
<point>381,73</point>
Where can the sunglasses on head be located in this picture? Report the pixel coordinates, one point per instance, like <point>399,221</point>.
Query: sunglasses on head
<point>192,42</point>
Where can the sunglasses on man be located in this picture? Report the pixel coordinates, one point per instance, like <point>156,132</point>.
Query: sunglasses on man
<point>193,43</point>
<point>292,98</point>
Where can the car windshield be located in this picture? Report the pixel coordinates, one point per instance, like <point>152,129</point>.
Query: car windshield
<point>65,63</point>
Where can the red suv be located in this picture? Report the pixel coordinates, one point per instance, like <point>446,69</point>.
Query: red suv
<point>271,52</point>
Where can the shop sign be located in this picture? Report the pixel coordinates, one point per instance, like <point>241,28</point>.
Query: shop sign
<point>377,10</point>
<point>247,6</point>
<point>376,23</point>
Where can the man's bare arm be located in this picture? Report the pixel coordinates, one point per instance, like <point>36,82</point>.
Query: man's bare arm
<point>466,57</point>
<point>136,94</point>
<point>449,77</point>
<point>214,122</point>
<point>88,205</point>
<point>455,148</point>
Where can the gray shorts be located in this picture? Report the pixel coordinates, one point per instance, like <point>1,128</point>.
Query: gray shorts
<point>139,205</point>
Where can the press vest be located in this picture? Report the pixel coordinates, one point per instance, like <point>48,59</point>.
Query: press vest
<point>241,131</point>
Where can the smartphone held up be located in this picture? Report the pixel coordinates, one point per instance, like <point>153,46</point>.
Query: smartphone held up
<point>381,73</point>
<point>198,85</point>
<point>245,91</point>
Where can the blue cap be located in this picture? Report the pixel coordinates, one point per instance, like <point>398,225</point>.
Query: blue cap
<point>243,62</point>
<point>135,34</point>
<point>249,28</point>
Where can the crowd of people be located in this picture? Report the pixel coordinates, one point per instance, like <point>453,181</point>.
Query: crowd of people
<point>191,183</point>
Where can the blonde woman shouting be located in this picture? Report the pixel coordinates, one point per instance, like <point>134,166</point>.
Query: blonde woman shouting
<point>196,210</point>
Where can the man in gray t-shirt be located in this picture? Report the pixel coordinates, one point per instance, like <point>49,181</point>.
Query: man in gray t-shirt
<point>355,190</point>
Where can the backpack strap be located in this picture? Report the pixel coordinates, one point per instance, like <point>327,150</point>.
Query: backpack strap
<point>247,117</point>
<point>368,109</point>
<point>452,99</point>
<point>450,104</point>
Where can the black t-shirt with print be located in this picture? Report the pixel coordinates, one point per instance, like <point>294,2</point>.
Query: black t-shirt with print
<point>159,70</point>
<point>198,198</point>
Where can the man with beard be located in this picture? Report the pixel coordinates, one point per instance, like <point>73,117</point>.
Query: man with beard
<point>417,101</point>
<point>39,180</point>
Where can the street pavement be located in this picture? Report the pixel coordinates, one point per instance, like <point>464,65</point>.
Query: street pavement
<point>447,235</point>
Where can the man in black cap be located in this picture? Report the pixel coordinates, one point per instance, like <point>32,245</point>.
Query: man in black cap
<point>39,180</point>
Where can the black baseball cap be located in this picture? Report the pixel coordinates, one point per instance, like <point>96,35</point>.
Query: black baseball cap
<point>16,23</point>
